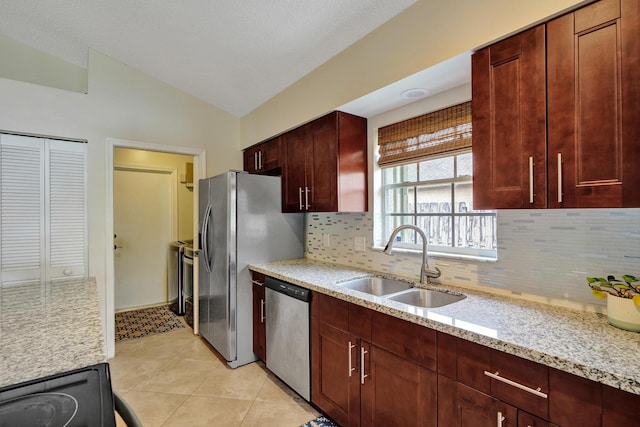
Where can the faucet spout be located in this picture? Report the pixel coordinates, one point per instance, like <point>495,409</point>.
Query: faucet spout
<point>425,271</point>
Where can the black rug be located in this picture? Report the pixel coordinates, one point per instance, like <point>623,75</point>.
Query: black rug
<point>320,422</point>
<point>146,321</point>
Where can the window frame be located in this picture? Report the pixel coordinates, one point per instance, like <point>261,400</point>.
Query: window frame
<point>438,250</point>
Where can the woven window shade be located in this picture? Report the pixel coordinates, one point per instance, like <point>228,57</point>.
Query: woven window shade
<point>430,135</point>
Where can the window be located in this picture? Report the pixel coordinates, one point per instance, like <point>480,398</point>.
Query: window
<point>427,181</point>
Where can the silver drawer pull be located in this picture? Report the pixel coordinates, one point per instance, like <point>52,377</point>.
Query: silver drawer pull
<point>262,316</point>
<point>255,282</point>
<point>531,164</point>
<point>351,368</point>
<point>362,374</point>
<point>497,376</point>
<point>559,177</point>
<point>501,419</point>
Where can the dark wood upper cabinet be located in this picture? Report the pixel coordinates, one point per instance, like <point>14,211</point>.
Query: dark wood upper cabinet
<point>264,158</point>
<point>594,105</point>
<point>557,126</point>
<point>325,166</point>
<point>509,128</point>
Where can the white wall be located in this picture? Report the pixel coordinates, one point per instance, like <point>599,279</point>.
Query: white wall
<point>124,104</point>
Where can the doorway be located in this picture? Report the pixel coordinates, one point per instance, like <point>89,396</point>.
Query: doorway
<point>144,222</point>
<point>131,165</point>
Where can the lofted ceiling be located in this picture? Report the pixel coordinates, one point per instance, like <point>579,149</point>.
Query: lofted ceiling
<point>232,54</point>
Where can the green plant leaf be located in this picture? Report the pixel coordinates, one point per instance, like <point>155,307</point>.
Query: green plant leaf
<point>629,278</point>
<point>592,279</point>
<point>601,294</point>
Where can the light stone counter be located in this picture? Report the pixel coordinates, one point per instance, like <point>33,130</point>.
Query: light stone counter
<point>48,328</point>
<point>573,341</point>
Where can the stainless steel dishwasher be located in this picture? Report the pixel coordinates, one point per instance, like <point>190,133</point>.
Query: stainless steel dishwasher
<point>287,330</point>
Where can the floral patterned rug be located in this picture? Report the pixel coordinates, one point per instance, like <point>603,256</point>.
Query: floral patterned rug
<point>146,321</point>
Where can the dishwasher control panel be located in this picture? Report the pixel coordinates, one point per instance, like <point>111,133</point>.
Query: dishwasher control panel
<point>288,289</point>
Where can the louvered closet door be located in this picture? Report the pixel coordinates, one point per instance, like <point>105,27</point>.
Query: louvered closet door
<point>22,208</point>
<point>43,225</point>
<point>66,222</point>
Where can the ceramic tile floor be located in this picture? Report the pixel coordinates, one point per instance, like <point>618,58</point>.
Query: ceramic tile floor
<point>174,379</point>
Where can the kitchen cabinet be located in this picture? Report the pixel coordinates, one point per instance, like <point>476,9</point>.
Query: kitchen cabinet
<point>264,158</point>
<point>483,387</point>
<point>259,325</point>
<point>555,113</point>
<point>509,123</point>
<point>593,106</point>
<point>325,167</point>
<point>366,369</point>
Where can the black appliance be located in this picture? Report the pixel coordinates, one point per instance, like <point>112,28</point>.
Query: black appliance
<point>82,397</point>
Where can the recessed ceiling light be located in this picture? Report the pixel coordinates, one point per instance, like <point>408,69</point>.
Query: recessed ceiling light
<point>415,93</point>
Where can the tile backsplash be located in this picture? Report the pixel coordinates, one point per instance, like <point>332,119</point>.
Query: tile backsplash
<point>543,255</point>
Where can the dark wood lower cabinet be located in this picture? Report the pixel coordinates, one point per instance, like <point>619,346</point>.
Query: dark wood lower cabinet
<point>462,406</point>
<point>369,369</point>
<point>396,391</point>
<point>335,383</point>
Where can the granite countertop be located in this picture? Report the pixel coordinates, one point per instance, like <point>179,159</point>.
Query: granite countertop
<point>578,342</point>
<point>49,328</point>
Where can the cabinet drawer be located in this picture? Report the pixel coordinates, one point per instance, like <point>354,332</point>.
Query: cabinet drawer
<point>406,339</point>
<point>330,310</point>
<point>528,420</point>
<point>464,361</point>
<point>520,382</point>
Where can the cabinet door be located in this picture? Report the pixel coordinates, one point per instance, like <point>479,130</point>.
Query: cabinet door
<point>463,406</point>
<point>270,155</point>
<point>322,170</point>
<point>574,401</point>
<point>259,327</point>
<point>509,127</point>
<point>294,177</point>
<point>619,408</point>
<point>250,160</point>
<point>335,385</point>
<point>593,74</point>
<point>395,391</point>
<point>528,420</point>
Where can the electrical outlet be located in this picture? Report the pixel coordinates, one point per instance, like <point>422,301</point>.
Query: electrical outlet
<point>359,244</point>
<point>326,239</point>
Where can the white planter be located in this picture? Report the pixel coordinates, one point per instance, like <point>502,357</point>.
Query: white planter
<point>623,313</point>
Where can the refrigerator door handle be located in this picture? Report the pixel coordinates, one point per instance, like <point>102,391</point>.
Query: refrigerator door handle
<point>205,238</point>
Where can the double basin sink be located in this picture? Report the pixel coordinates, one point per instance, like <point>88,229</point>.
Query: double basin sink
<point>399,291</point>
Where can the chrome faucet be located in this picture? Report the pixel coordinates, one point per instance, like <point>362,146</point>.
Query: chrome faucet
<point>425,271</point>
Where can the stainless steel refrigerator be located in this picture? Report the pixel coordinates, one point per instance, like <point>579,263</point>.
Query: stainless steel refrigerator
<point>240,224</point>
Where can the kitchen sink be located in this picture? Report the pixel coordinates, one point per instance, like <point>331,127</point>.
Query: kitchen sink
<point>426,298</point>
<point>376,285</point>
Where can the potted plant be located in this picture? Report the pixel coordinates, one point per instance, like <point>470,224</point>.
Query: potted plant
<point>623,299</point>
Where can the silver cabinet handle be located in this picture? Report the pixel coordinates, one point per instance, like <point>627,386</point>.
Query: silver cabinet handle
<point>500,419</point>
<point>255,282</point>
<point>260,159</point>
<point>531,179</point>
<point>362,374</point>
<point>559,177</point>
<point>255,160</point>
<point>306,197</point>
<point>262,317</point>
<point>351,368</point>
<point>497,376</point>
<point>300,197</point>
